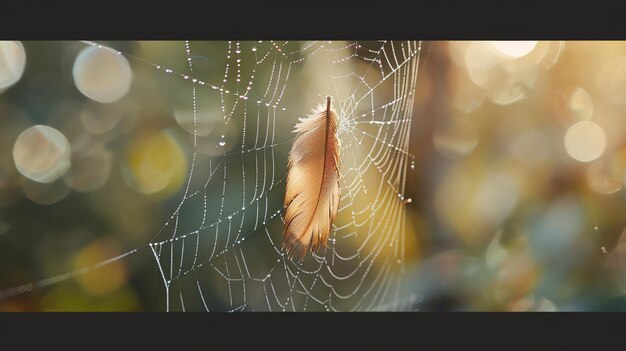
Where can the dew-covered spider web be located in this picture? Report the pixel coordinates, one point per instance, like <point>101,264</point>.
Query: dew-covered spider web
<point>220,250</point>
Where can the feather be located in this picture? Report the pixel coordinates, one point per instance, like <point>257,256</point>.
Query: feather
<point>312,190</point>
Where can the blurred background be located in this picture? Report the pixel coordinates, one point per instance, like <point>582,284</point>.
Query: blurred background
<point>517,199</point>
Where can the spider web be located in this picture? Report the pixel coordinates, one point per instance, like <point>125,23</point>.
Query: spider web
<point>221,247</point>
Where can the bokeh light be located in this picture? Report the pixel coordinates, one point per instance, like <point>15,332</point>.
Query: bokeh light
<point>107,279</point>
<point>202,124</point>
<point>12,63</point>
<point>581,105</point>
<point>506,71</point>
<point>99,119</point>
<point>156,163</point>
<point>42,153</point>
<point>102,74</point>
<point>90,169</point>
<point>585,141</point>
<point>514,49</point>
<point>604,177</point>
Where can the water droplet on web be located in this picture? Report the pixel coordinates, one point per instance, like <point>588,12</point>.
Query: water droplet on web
<point>222,141</point>
<point>595,228</point>
<point>254,49</point>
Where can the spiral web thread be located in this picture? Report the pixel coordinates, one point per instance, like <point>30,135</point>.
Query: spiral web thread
<point>221,247</point>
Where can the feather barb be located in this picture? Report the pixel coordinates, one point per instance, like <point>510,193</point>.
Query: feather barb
<point>312,190</point>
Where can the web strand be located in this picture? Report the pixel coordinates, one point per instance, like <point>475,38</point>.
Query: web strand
<point>220,249</point>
